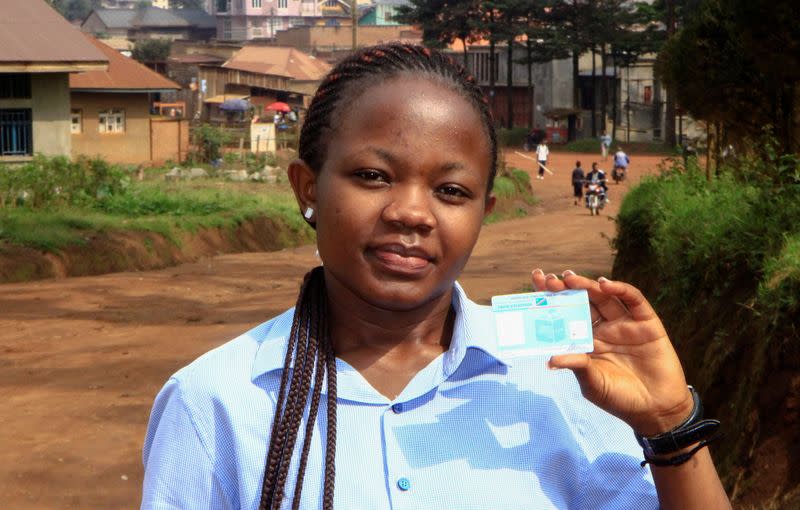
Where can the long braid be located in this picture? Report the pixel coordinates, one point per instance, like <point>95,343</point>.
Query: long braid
<point>310,349</point>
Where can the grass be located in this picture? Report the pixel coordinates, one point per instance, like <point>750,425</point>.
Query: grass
<point>164,208</point>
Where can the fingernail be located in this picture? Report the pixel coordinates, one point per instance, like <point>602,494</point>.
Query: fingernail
<point>603,279</point>
<point>568,272</point>
<point>551,276</point>
<point>538,271</point>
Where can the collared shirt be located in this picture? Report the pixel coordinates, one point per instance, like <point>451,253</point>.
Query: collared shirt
<point>470,431</point>
<point>542,152</point>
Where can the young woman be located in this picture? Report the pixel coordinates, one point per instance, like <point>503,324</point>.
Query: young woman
<point>383,387</point>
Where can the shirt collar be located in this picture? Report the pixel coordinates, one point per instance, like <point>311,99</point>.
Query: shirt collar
<point>473,329</point>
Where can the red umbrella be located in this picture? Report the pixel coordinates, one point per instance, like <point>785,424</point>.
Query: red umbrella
<point>278,106</point>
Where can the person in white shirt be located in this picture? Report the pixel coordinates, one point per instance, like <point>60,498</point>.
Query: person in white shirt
<point>541,156</point>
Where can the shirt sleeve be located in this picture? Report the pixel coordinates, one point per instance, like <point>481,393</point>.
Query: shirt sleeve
<point>178,471</point>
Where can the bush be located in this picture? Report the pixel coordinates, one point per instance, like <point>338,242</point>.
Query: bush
<point>209,141</point>
<point>514,137</point>
<point>49,182</point>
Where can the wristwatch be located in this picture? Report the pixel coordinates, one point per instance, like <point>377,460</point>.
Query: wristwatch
<point>692,431</point>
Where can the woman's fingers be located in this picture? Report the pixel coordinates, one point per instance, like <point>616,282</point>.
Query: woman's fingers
<point>546,282</point>
<point>630,296</point>
<point>609,306</point>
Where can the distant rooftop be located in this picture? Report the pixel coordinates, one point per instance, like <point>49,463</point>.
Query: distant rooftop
<point>123,74</point>
<point>35,38</point>
<point>278,61</point>
<point>155,17</point>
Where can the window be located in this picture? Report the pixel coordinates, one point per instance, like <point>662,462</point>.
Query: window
<point>16,132</point>
<point>256,4</point>
<point>76,124</point>
<point>112,121</point>
<point>223,5</point>
<point>648,94</point>
<point>227,29</point>
<point>15,86</point>
<point>283,4</point>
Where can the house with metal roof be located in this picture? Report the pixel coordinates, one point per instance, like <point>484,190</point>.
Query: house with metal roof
<point>111,113</point>
<point>150,23</point>
<point>263,74</point>
<point>38,51</point>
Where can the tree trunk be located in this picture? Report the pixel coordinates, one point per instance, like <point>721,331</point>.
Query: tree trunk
<point>576,97</point>
<point>531,118</point>
<point>614,110</point>
<point>510,83</point>
<point>603,90</point>
<point>492,76</point>
<point>594,96</point>
<point>669,114</point>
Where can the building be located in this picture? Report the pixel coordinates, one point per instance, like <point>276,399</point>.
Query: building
<point>110,113</point>
<point>150,23</point>
<point>244,20</point>
<point>381,13</point>
<point>38,51</point>
<point>263,74</point>
<point>551,91</point>
<point>330,43</point>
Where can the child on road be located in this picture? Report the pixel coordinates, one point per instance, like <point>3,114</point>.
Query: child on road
<point>542,152</point>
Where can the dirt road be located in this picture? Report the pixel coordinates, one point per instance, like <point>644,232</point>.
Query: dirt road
<point>81,359</point>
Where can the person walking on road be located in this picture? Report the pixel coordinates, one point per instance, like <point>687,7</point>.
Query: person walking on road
<point>577,182</point>
<point>605,143</point>
<point>542,152</point>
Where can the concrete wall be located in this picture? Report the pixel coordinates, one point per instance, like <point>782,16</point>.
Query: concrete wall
<point>310,38</point>
<point>132,146</point>
<point>49,103</point>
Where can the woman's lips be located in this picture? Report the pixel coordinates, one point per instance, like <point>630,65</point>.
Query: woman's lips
<point>401,259</point>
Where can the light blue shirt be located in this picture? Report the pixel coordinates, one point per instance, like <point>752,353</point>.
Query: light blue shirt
<point>470,431</point>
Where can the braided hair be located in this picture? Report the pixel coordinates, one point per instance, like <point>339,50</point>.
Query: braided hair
<point>310,360</point>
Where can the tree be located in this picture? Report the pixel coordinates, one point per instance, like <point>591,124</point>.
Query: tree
<point>443,22</point>
<point>151,50</point>
<point>75,10</point>
<point>736,65</point>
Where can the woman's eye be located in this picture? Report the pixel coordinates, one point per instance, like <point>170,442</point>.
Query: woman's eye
<point>452,192</point>
<point>371,175</point>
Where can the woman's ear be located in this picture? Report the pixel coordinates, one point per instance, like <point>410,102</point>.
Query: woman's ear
<point>304,183</point>
<point>489,205</point>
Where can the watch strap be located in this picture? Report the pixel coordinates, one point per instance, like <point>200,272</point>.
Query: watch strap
<point>693,430</point>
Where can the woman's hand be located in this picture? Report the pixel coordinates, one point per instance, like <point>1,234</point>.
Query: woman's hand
<point>634,372</point>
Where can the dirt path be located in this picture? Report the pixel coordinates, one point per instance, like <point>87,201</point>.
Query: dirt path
<point>81,359</point>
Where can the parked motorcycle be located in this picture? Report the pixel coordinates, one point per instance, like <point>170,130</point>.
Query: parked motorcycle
<point>595,198</point>
<point>618,174</point>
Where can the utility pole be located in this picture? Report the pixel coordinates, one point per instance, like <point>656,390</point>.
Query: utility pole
<point>354,17</point>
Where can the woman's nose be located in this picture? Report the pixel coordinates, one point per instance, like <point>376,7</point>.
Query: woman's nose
<point>410,207</point>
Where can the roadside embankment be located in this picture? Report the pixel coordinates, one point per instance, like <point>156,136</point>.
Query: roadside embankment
<point>722,259</point>
<point>60,218</point>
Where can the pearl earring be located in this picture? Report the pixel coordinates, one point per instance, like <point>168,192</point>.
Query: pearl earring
<point>309,213</point>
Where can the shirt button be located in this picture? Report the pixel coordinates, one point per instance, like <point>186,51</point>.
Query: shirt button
<point>397,408</point>
<point>403,484</point>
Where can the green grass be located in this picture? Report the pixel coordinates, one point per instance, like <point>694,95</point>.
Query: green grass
<point>164,208</point>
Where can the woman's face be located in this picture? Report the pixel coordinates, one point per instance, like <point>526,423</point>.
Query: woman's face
<point>401,195</point>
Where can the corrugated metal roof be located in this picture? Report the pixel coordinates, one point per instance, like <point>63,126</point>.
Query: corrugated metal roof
<point>123,74</point>
<point>116,18</point>
<point>278,61</point>
<point>33,32</point>
<point>155,17</point>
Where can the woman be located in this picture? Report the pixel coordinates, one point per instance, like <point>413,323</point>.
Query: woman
<point>383,388</point>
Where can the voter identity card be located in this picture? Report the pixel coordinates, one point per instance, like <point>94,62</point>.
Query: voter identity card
<point>538,323</point>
